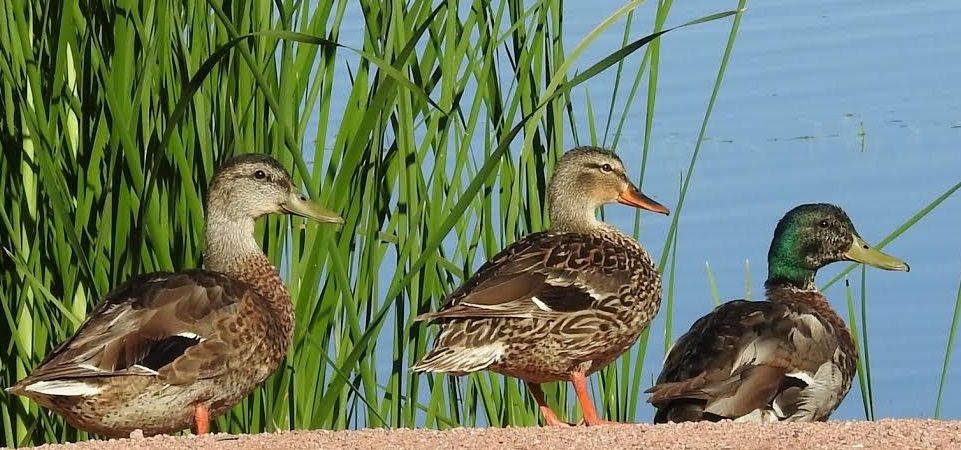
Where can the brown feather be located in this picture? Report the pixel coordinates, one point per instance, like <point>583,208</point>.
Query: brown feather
<point>594,294</point>
<point>551,267</point>
<point>737,358</point>
<point>756,386</point>
<point>123,330</point>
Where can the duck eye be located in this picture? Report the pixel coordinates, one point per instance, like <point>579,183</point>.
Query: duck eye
<point>824,224</point>
<point>606,168</point>
<point>260,175</point>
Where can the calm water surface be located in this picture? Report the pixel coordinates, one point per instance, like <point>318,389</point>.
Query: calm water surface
<point>849,102</point>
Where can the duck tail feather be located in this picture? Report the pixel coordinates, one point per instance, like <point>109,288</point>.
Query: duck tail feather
<point>460,360</point>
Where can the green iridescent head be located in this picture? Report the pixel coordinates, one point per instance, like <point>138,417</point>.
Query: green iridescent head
<point>812,236</point>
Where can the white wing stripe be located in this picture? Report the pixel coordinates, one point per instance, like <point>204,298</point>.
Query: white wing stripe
<point>541,305</point>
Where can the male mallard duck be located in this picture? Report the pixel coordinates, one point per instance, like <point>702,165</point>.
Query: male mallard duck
<point>788,358</point>
<point>169,350</point>
<point>556,305</point>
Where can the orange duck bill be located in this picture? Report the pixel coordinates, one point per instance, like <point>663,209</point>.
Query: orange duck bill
<point>633,197</point>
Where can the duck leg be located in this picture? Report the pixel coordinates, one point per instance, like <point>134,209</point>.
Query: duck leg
<point>201,419</point>
<point>579,379</point>
<point>550,418</point>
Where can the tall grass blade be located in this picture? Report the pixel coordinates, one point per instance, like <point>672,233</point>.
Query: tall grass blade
<point>948,350</point>
<point>861,373</point>
<point>712,284</point>
<point>865,347</point>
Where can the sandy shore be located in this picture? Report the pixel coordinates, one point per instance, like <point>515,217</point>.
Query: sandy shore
<point>888,434</point>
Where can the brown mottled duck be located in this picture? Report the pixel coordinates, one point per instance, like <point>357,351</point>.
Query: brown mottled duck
<point>789,358</point>
<point>168,351</point>
<point>561,304</point>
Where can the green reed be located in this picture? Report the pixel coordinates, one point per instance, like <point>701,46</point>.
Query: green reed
<point>433,136</point>
<point>949,349</point>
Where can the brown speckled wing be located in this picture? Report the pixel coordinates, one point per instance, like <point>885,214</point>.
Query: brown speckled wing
<point>734,360</point>
<point>542,275</point>
<point>162,324</point>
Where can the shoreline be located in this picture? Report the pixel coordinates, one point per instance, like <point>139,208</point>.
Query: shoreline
<point>885,433</point>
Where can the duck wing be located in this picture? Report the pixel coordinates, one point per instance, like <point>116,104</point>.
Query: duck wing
<point>750,357</point>
<point>159,324</point>
<point>544,275</point>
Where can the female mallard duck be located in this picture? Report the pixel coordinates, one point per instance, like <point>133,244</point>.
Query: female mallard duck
<point>556,305</point>
<point>788,358</point>
<point>169,350</point>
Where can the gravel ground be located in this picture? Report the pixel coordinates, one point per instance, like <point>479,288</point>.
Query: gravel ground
<point>892,434</point>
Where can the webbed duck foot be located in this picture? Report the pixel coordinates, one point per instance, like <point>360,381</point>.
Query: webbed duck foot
<point>550,419</point>
<point>591,419</point>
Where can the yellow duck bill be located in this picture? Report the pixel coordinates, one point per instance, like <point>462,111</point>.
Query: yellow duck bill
<point>299,204</point>
<point>863,253</point>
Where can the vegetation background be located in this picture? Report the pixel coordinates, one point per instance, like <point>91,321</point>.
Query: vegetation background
<point>445,122</point>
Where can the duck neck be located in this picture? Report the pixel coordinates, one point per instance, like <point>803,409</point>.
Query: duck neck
<point>231,249</point>
<point>786,266</point>
<point>790,277</point>
<point>787,278</point>
<point>571,213</point>
<point>567,224</point>
<point>229,244</point>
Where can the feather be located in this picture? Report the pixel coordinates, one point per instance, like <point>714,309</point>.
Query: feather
<point>757,359</point>
<point>143,327</point>
<point>63,388</point>
<point>460,360</point>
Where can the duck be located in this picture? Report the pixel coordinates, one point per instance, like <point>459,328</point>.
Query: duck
<point>787,358</point>
<point>556,305</point>
<point>168,351</point>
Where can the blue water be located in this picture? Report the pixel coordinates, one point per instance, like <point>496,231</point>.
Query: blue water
<point>855,103</point>
<point>805,77</point>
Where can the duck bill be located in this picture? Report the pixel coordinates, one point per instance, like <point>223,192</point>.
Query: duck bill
<point>863,253</point>
<point>298,204</point>
<point>633,197</point>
